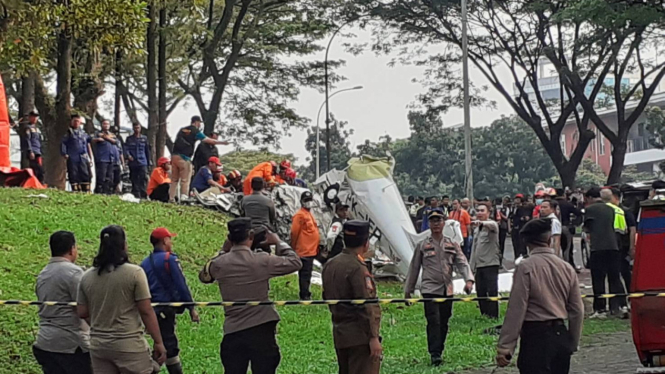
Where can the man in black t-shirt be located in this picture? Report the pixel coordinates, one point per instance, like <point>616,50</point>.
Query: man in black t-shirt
<point>520,214</point>
<point>568,210</point>
<point>626,241</point>
<point>183,150</point>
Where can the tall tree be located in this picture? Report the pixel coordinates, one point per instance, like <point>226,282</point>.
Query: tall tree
<point>151,75</point>
<point>589,42</point>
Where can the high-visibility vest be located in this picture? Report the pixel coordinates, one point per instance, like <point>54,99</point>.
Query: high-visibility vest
<point>620,225</point>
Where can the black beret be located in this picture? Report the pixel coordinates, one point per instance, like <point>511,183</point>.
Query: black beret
<point>306,196</point>
<point>536,227</point>
<point>436,212</point>
<point>356,228</point>
<point>240,225</point>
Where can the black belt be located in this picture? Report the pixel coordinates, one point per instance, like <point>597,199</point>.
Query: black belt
<point>550,323</point>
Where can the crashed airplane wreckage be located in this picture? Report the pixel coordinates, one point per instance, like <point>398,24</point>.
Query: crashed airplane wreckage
<point>368,188</point>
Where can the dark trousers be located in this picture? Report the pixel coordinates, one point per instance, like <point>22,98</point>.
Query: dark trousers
<point>104,178</point>
<point>518,246</point>
<point>117,174</point>
<point>305,277</point>
<point>569,250</point>
<point>166,318</point>
<point>466,248</point>
<point>256,345</point>
<point>503,233</point>
<point>161,193</point>
<point>63,363</point>
<point>137,174</point>
<point>36,166</point>
<point>487,285</point>
<point>437,315</point>
<point>357,360</point>
<point>606,265</point>
<point>545,348</point>
<point>625,269</point>
<point>78,173</point>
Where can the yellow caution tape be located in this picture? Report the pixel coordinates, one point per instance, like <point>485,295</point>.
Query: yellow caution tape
<point>327,302</point>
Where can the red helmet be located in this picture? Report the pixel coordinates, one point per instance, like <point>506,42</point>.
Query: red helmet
<point>290,173</point>
<point>163,161</point>
<point>286,164</point>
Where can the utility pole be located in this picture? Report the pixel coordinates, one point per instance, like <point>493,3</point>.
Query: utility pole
<point>467,109</point>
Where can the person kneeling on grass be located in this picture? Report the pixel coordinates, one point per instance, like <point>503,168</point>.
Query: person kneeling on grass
<point>160,181</point>
<point>115,296</point>
<point>167,285</point>
<point>204,179</point>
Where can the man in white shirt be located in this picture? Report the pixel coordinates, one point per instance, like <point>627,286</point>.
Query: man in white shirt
<point>548,209</point>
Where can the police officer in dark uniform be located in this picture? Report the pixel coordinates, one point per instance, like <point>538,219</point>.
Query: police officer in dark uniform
<point>545,293</point>
<point>355,327</point>
<point>335,236</point>
<point>167,284</point>
<point>137,152</point>
<point>31,145</point>
<point>106,155</point>
<point>75,148</point>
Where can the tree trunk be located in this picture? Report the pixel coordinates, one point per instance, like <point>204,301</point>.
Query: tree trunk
<point>162,130</point>
<point>151,70</point>
<point>86,93</point>
<point>118,86</point>
<point>618,159</point>
<point>209,120</point>
<point>55,163</point>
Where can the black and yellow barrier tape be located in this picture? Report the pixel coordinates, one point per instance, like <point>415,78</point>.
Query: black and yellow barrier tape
<point>328,302</point>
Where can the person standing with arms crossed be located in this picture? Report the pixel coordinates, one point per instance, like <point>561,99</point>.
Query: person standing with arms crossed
<point>106,155</point>
<point>436,255</point>
<point>137,152</point>
<point>183,151</point>
<point>355,327</point>
<point>545,293</point>
<point>75,148</point>
<point>305,239</point>
<point>486,260</point>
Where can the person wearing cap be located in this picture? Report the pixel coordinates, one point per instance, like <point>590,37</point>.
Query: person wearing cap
<point>204,179</point>
<point>203,153</point>
<point>160,182</point>
<point>105,157</point>
<point>356,328</point>
<point>75,148</point>
<point>520,214</point>
<point>486,259</point>
<point>544,294</point>
<point>167,285</point>
<point>540,197</point>
<point>433,204</point>
<point>234,181</point>
<point>183,150</point>
<point>244,275</point>
<point>335,236</point>
<point>305,240</point>
<point>31,145</point>
<point>284,174</point>
<point>656,192</point>
<point>265,170</point>
<point>259,207</point>
<point>436,255</point>
<point>137,152</point>
<point>63,339</point>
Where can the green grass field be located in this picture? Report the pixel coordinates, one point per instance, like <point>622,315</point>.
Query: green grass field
<point>305,334</point>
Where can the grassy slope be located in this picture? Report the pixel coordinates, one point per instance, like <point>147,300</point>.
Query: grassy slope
<point>304,333</point>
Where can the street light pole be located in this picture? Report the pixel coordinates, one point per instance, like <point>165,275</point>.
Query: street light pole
<point>327,84</point>
<point>318,131</point>
<point>467,109</point>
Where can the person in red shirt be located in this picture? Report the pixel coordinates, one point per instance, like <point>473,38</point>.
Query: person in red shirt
<point>462,216</point>
<point>160,181</point>
<point>305,241</point>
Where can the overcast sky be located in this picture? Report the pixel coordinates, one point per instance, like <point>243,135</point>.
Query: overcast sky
<point>379,108</point>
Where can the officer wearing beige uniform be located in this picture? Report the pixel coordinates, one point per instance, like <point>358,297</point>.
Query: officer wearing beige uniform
<point>436,255</point>
<point>545,293</point>
<point>244,275</point>
<point>355,327</point>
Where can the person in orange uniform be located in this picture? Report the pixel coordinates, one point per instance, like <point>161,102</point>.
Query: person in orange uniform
<point>265,170</point>
<point>160,181</point>
<point>282,177</point>
<point>305,241</point>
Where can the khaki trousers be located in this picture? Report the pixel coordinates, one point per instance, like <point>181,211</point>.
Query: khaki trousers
<point>356,360</point>
<point>181,172</point>
<point>111,362</point>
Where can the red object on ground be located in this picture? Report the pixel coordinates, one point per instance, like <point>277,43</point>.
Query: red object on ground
<point>648,313</point>
<point>4,129</point>
<point>13,177</point>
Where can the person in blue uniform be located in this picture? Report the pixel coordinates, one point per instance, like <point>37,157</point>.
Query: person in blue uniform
<point>119,161</point>
<point>75,148</point>
<point>167,285</point>
<point>31,145</point>
<point>106,154</point>
<point>137,152</point>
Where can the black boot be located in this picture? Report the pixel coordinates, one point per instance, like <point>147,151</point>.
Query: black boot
<point>437,361</point>
<point>174,368</point>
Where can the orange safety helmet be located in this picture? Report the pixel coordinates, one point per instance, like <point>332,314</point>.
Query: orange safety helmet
<point>235,174</point>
